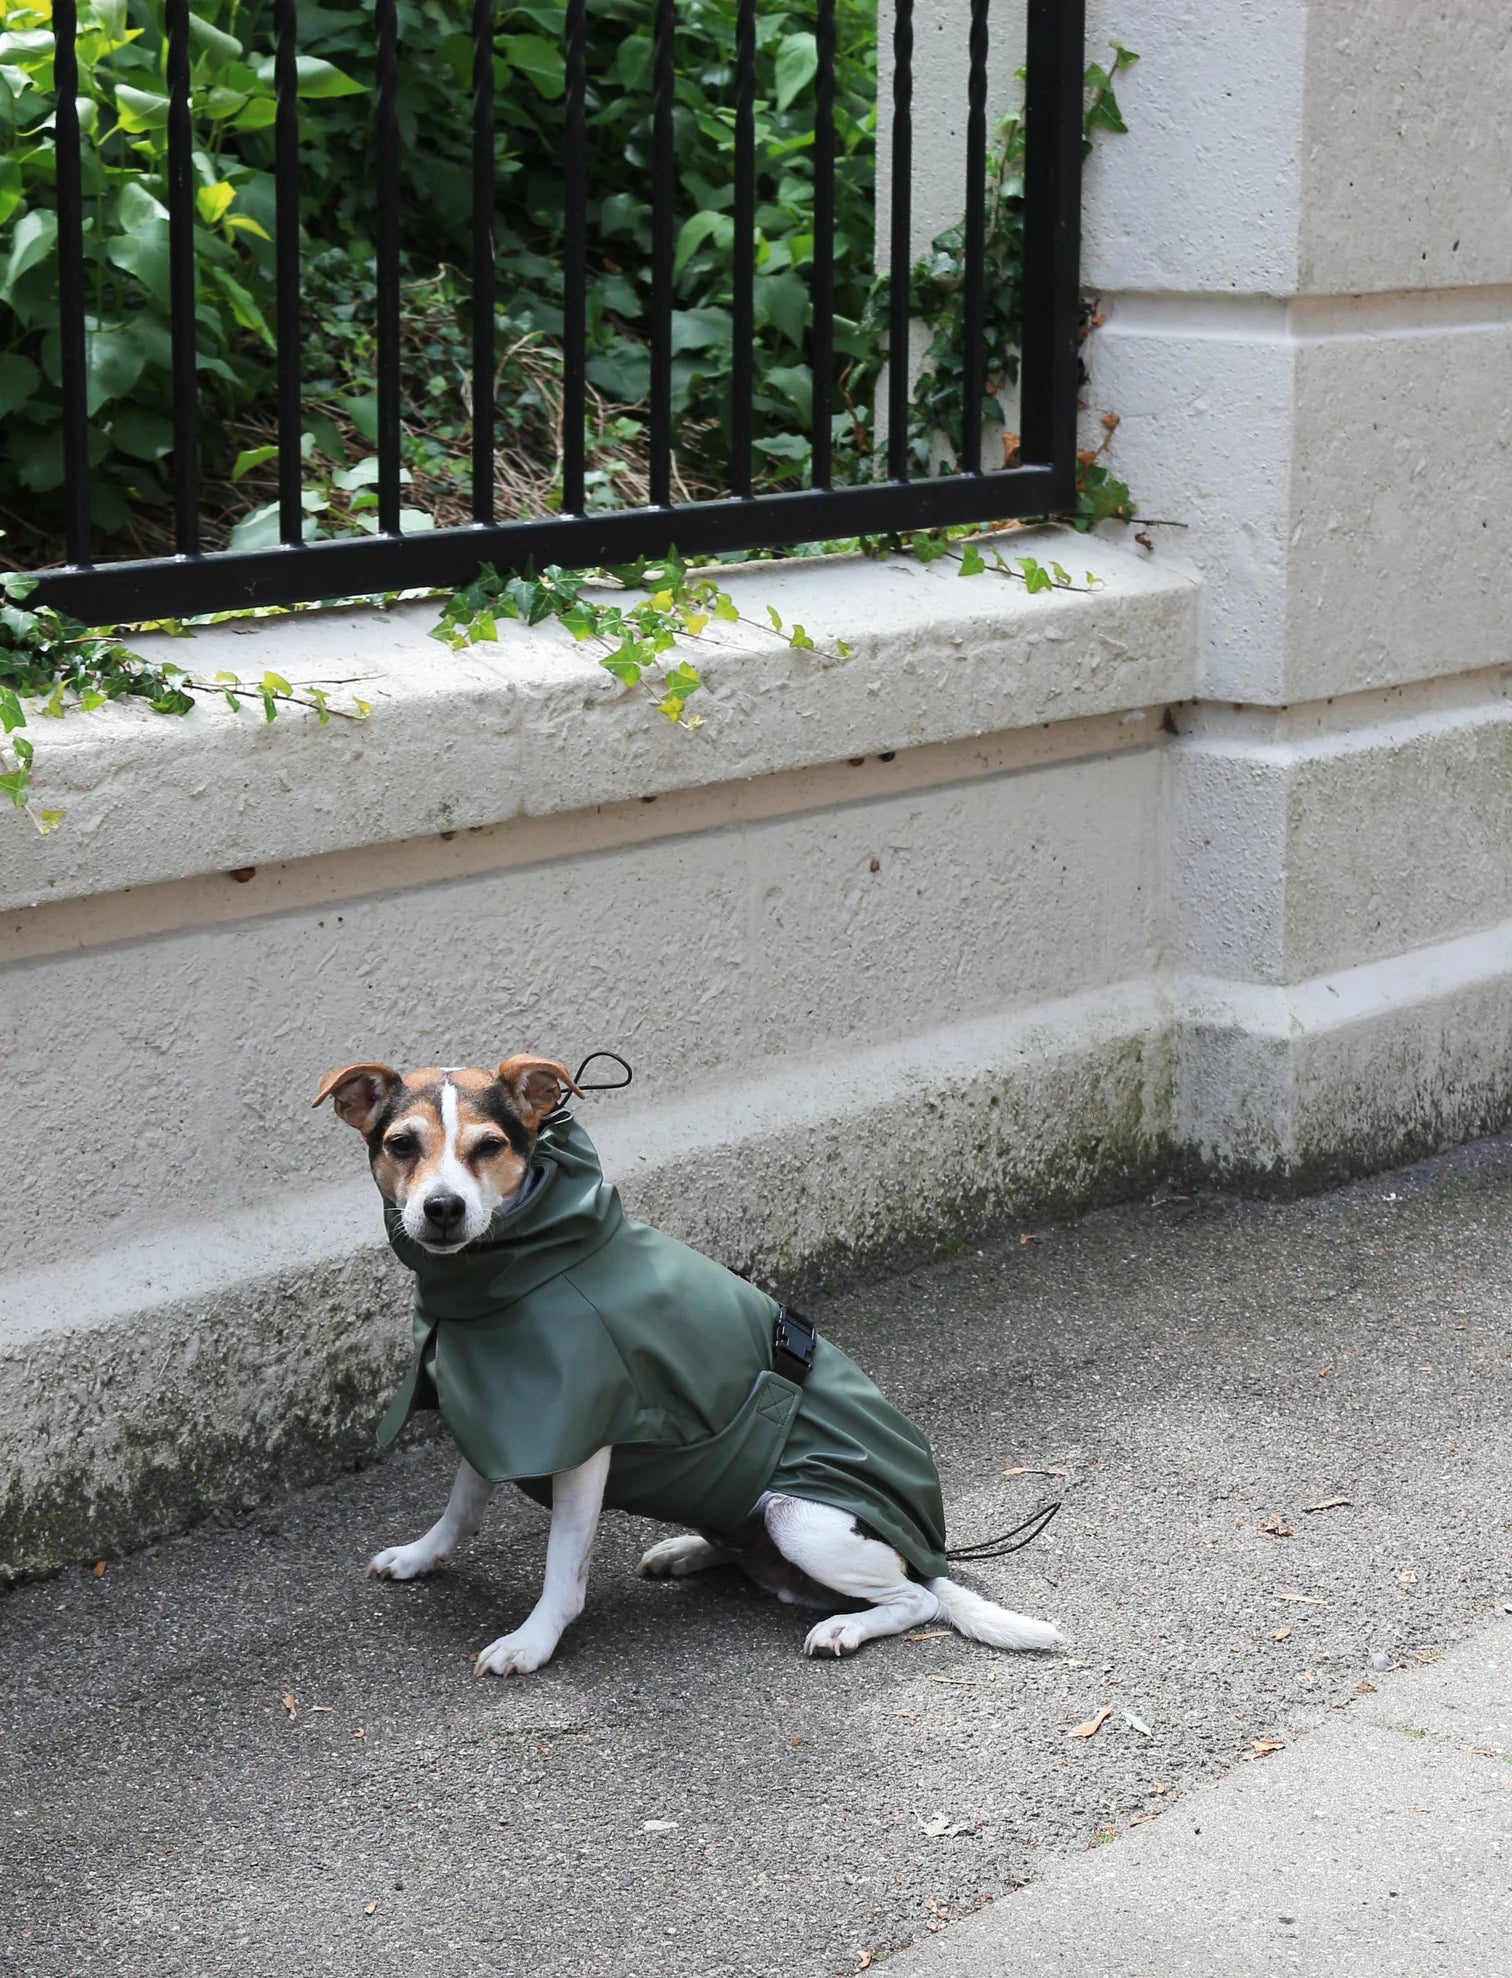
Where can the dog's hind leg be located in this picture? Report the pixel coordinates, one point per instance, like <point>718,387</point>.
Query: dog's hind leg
<point>461,1519</point>
<point>827,1546</point>
<point>675,1558</point>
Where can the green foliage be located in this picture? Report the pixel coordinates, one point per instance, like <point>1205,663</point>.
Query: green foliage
<point>50,665</point>
<point>123,109</point>
<point>123,105</point>
<point>936,285</point>
<point>642,640</point>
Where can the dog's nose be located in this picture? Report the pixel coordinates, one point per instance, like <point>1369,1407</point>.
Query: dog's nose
<point>444,1211</point>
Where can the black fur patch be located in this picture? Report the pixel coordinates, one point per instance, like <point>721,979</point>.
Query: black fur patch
<point>494,1105</point>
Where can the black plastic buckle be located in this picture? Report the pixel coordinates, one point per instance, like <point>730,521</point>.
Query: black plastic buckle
<point>793,1341</point>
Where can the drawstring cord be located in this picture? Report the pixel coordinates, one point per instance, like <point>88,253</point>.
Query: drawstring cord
<point>1006,1542</point>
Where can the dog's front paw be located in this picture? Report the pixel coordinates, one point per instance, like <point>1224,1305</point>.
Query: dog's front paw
<point>406,1562</point>
<point>837,1636</point>
<point>517,1654</point>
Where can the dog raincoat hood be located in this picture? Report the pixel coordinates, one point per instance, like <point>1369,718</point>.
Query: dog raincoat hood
<point>569,1326</point>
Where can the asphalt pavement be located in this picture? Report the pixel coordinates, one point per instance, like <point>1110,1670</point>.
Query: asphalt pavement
<point>1281,1437</point>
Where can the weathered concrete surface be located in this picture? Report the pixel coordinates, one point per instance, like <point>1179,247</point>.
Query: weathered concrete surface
<point>1196,1368</point>
<point>1381,1848</point>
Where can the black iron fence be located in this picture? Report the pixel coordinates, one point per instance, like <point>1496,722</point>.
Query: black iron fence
<point>191,581</point>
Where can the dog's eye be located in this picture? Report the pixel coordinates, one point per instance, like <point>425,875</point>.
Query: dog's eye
<point>403,1146</point>
<point>487,1148</point>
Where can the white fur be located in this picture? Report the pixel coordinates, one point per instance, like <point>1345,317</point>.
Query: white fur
<point>461,1518</point>
<point>675,1558</point>
<point>983,1620</point>
<point>577,1497</point>
<point>824,1543</point>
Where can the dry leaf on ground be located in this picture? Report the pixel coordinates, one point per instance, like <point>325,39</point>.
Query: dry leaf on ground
<point>940,1827</point>
<point>287,1700</point>
<point>863,1962</point>
<point>1093,1724</point>
<point>1365,1687</point>
<point>1265,1747</point>
<point>931,1634</point>
<point>1023,1470</point>
<point>371,1907</point>
<point>1276,1527</point>
<point>1282,1634</point>
<point>1406,1579</point>
<point>1140,1818</point>
<point>99,1569</point>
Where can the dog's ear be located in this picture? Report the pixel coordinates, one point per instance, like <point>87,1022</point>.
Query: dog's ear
<point>536,1086</point>
<point>359,1092</point>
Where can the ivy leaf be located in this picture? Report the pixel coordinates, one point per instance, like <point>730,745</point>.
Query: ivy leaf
<point>542,60</point>
<point>800,641</point>
<point>253,456</point>
<point>33,239</point>
<point>212,201</point>
<point>695,231</point>
<point>797,63</point>
<point>19,378</point>
<point>973,563</point>
<point>316,78</point>
<point>140,109</point>
<point>776,621</point>
<point>627,662</point>
<point>49,820</point>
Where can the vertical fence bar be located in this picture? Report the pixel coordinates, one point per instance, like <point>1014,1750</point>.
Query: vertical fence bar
<point>899,252</point>
<point>387,21</point>
<point>286,197</point>
<point>664,235</point>
<point>182,284</point>
<point>483,263</point>
<point>1052,239</point>
<point>973,381</point>
<point>743,268</point>
<point>822,288</point>
<point>575,261</point>
<point>74,354</point>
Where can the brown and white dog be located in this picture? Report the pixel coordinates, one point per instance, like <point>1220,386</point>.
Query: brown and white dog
<point>448,1147</point>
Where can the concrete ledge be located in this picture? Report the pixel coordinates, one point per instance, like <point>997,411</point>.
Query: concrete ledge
<point>534,727</point>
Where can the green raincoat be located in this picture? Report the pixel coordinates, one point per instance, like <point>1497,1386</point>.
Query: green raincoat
<point>569,1327</point>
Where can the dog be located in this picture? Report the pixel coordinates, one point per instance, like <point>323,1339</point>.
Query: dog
<point>595,1361</point>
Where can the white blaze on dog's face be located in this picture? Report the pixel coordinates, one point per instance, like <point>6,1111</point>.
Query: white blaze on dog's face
<point>448,1147</point>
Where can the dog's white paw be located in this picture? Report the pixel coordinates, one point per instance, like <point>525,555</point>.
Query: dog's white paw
<point>406,1562</point>
<point>837,1636</point>
<point>517,1654</point>
<point>675,1558</point>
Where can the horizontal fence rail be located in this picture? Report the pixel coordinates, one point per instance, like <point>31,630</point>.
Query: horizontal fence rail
<point>299,571</point>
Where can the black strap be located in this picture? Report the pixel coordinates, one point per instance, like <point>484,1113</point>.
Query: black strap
<point>1006,1542</point>
<point>793,1339</point>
